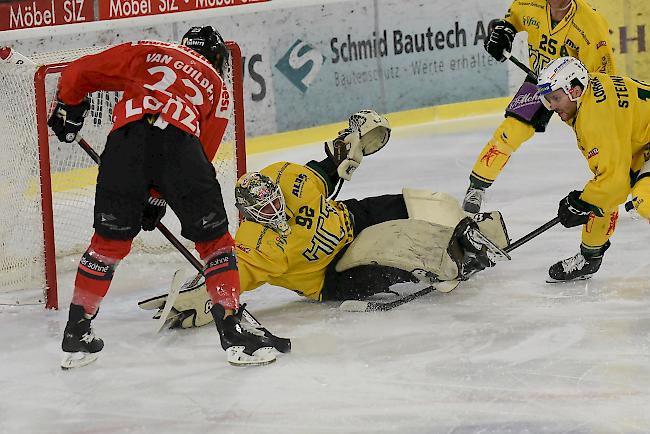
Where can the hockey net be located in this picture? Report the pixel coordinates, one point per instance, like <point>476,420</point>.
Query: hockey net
<point>47,187</point>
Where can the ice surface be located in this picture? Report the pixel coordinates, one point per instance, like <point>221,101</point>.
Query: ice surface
<point>503,353</point>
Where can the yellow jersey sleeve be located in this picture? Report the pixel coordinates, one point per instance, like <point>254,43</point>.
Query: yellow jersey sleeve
<point>613,130</point>
<point>583,33</point>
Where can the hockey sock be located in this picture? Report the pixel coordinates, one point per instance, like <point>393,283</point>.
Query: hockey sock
<point>95,271</point>
<point>221,274</point>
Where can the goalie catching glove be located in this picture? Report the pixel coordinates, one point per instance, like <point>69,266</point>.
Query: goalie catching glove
<point>367,133</point>
<point>67,120</point>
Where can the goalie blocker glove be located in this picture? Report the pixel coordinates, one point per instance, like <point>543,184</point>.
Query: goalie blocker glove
<point>345,152</point>
<point>67,120</point>
<point>500,39</point>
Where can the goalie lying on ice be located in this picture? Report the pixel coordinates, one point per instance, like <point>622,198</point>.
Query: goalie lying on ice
<point>297,237</point>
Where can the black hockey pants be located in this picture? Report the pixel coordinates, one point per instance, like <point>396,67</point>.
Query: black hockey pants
<point>139,156</point>
<point>360,282</point>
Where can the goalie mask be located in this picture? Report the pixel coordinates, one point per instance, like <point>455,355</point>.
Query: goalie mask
<point>261,201</point>
<point>209,43</point>
<point>563,73</point>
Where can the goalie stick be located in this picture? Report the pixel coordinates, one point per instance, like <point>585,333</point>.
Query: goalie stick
<point>177,284</point>
<point>446,286</point>
<point>375,306</point>
<point>283,345</point>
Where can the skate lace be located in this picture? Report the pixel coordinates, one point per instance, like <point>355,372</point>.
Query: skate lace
<point>574,263</point>
<point>248,328</point>
<point>474,196</point>
<point>88,337</point>
<point>245,324</point>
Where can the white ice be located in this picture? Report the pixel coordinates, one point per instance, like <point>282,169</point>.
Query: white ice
<point>503,353</point>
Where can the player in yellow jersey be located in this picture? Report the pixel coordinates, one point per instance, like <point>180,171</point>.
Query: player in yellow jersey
<point>296,236</point>
<point>610,116</point>
<point>555,28</point>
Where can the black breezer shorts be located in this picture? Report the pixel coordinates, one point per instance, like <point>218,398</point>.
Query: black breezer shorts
<point>363,281</point>
<point>139,156</point>
<point>374,210</point>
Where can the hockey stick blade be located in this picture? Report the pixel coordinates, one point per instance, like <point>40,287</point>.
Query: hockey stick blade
<point>378,306</point>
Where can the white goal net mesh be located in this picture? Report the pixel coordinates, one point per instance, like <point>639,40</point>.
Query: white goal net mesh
<point>73,175</point>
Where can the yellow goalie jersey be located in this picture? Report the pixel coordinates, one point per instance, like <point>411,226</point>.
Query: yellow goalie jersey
<point>612,128</point>
<point>583,33</point>
<point>320,228</point>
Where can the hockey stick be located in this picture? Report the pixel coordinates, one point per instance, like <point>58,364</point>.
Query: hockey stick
<point>374,306</point>
<point>543,228</point>
<point>379,306</point>
<point>281,344</point>
<point>520,65</point>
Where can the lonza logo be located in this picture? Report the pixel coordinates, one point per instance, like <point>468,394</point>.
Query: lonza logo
<point>301,64</point>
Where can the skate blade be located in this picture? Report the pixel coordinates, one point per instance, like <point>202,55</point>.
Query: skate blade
<point>77,360</point>
<point>262,356</point>
<point>577,279</point>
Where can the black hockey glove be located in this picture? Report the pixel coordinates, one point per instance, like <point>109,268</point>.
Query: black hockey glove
<point>66,120</point>
<point>154,210</point>
<point>574,211</point>
<point>500,39</point>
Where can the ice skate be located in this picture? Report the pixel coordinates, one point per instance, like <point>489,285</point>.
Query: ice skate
<point>581,266</point>
<point>244,344</point>
<point>79,342</point>
<point>473,200</point>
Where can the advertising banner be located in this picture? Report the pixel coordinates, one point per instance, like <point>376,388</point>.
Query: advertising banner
<point>390,55</point>
<point>629,21</point>
<point>40,13</point>
<point>317,63</point>
<point>114,9</point>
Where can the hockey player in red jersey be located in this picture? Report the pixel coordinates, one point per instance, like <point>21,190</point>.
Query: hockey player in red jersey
<point>167,128</point>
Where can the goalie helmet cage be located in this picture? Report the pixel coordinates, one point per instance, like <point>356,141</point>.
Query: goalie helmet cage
<point>47,187</point>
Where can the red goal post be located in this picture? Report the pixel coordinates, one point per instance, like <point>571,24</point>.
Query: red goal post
<point>47,187</point>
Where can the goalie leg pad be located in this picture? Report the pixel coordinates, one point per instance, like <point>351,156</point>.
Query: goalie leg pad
<point>491,225</point>
<point>405,244</point>
<point>435,207</point>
